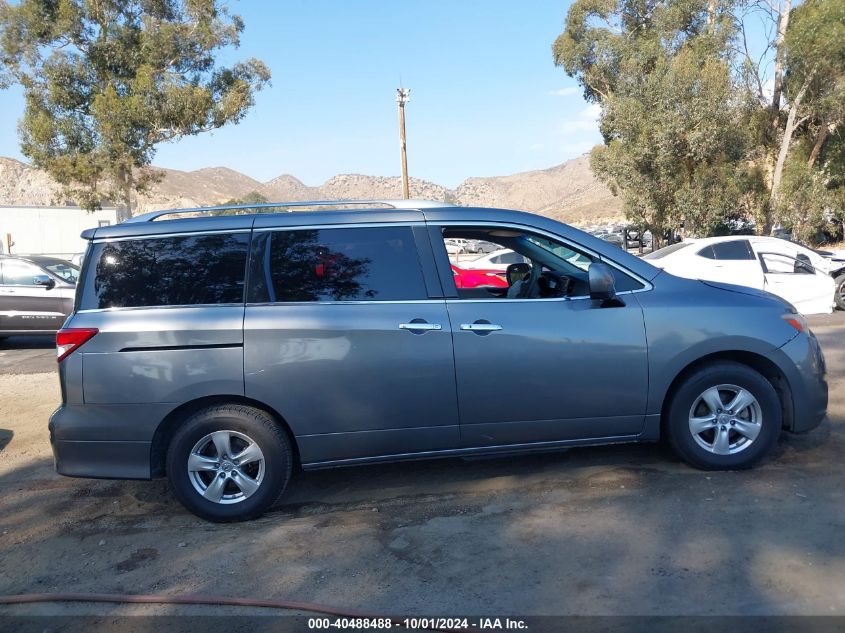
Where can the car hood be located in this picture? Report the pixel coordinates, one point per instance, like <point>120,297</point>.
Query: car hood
<point>837,256</point>
<point>745,290</point>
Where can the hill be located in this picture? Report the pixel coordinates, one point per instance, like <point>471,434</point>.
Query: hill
<point>568,192</point>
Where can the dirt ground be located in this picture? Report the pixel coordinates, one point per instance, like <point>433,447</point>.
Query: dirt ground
<point>613,530</point>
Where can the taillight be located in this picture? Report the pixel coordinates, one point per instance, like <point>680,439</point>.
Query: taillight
<point>69,339</point>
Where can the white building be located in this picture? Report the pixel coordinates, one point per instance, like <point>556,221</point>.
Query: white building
<point>48,230</point>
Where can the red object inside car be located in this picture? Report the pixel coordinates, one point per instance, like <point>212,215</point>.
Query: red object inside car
<point>475,278</point>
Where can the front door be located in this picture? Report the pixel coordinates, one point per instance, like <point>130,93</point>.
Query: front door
<point>343,339</point>
<point>541,363</point>
<point>25,306</point>
<point>796,280</point>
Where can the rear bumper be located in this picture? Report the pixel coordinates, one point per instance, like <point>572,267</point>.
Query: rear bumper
<point>107,460</point>
<point>806,376</point>
<point>102,441</point>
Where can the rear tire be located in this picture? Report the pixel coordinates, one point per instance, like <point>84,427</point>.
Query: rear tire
<point>229,463</point>
<point>839,294</point>
<point>724,416</point>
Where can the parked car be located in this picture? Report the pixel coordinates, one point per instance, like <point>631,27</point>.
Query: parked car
<point>223,351</point>
<point>834,264</point>
<point>797,274</point>
<point>484,247</point>
<point>496,260</point>
<point>612,238</point>
<point>636,237</point>
<point>469,278</point>
<point>463,246</point>
<point>36,294</point>
<point>453,249</point>
<point>836,269</point>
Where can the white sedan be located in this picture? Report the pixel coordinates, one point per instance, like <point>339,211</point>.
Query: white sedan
<point>497,260</point>
<point>786,269</point>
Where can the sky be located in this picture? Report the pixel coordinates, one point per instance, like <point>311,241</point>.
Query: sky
<point>486,98</point>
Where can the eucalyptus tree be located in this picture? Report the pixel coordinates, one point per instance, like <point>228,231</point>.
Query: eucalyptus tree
<point>106,81</point>
<point>671,105</point>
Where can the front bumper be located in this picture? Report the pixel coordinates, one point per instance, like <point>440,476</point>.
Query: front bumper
<point>805,372</point>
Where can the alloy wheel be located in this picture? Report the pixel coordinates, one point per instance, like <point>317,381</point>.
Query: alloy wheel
<point>725,419</point>
<point>226,467</point>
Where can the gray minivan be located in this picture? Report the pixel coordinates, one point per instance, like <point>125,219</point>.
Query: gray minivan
<point>223,350</point>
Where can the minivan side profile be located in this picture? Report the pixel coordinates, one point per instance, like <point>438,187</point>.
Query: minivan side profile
<point>222,351</point>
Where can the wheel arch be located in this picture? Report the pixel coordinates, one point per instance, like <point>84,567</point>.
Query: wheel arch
<point>764,366</point>
<point>168,426</point>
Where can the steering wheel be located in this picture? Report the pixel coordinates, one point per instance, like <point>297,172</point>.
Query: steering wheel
<point>530,287</point>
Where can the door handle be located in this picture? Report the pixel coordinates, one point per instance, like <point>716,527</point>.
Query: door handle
<point>481,327</point>
<point>420,326</point>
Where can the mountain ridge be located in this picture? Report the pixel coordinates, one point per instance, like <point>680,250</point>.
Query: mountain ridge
<point>568,192</point>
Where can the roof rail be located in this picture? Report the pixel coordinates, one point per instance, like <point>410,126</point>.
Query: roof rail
<point>293,206</point>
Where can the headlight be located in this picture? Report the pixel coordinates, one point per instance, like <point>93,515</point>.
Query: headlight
<point>796,320</point>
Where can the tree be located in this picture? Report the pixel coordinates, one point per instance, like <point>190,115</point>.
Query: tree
<point>670,106</point>
<point>815,86</point>
<point>692,133</point>
<point>253,197</point>
<point>106,81</point>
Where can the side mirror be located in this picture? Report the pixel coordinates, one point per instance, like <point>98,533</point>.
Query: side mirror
<point>44,280</point>
<point>602,285</point>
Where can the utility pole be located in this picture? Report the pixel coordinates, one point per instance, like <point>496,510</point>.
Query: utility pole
<point>402,97</point>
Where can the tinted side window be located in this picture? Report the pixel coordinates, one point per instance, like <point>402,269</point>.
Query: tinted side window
<point>345,264</point>
<point>707,252</point>
<point>17,273</point>
<point>185,270</point>
<point>736,249</point>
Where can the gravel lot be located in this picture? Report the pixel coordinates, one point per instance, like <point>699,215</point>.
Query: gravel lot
<point>613,530</point>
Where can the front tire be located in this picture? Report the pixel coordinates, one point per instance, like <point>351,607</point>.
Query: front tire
<point>229,463</point>
<point>839,294</point>
<point>724,416</point>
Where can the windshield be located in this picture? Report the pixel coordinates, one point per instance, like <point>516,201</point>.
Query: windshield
<point>575,258</point>
<point>62,269</point>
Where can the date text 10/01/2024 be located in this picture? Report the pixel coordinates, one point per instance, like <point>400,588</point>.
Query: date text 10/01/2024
<point>492,623</point>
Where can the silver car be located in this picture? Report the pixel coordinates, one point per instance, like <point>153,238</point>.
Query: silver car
<point>223,351</point>
<point>36,294</point>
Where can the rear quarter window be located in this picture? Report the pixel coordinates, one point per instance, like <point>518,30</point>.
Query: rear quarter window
<point>735,250</point>
<point>182,270</point>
